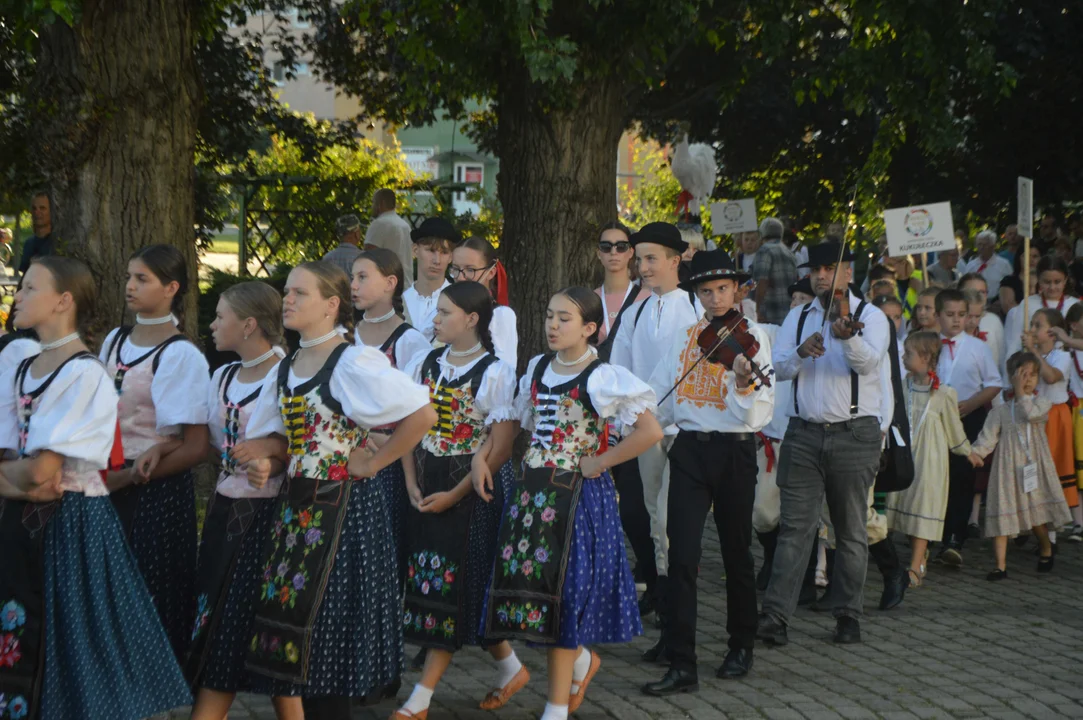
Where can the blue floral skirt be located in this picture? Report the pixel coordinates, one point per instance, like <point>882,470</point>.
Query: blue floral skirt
<point>357,635</point>
<point>392,482</point>
<point>599,595</point>
<point>163,538</point>
<point>226,648</point>
<point>106,654</point>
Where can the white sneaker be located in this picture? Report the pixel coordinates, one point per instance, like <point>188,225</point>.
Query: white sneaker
<point>1075,534</point>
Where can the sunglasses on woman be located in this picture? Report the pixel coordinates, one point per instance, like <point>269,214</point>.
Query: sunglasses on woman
<point>607,247</point>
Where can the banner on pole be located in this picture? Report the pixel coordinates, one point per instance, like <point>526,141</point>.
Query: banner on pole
<point>919,229</point>
<point>733,216</point>
<point>1025,216</point>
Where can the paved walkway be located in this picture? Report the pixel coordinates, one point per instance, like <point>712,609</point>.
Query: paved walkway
<point>959,647</point>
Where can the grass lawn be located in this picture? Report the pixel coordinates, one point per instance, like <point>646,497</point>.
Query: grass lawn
<point>225,243</point>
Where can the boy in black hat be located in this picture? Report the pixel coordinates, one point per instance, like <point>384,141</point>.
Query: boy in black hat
<point>718,411</point>
<point>648,328</point>
<point>433,242</point>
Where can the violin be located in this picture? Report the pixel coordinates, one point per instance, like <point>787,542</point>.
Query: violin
<point>729,336</point>
<point>840,308</point>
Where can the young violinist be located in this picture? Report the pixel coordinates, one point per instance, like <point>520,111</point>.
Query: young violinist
<point>719,404</point>
<point>647,330</point>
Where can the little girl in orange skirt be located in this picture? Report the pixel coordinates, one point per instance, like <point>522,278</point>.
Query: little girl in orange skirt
<point>1056,366</point>
<point>1073,344</point>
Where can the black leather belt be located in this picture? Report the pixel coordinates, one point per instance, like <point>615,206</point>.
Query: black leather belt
<point>719,436</point>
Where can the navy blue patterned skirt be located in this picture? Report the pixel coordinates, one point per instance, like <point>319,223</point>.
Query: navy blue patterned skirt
<point>163,538</point>
<point>599,596</point>
<point>484,528</point>
<point>226,648</point>
<point>106,654</point>
<point>392,482</point>
<point>357,636</point>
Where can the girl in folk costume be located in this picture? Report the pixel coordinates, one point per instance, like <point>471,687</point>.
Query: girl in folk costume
<point>975,315</point>
<point>163,381</point>
<point>452,539</point>
<point>1074,345</point>
<point>376,291</point>
<point>560,576</point>
<point>936,429</point>
<point>1024,490</point>
<point>1056,368</point>
<point>475,260</point>
<point>618,291</point>
<point>79,636</point>
<point>248,321</point>
<point>329,607</point>
<point>1052,293</point>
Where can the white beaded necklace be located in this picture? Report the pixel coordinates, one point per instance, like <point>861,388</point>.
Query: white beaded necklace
<point>139,319</point>
<point>320,340</point>
<point>257,361</point>
<point>465,353</point>
<point>581,358</point>
<point>390,314</point>
<point>61,342</point>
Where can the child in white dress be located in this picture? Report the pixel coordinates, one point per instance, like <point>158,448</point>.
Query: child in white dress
<point>1024,491</point>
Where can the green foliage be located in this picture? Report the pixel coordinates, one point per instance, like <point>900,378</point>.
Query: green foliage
<point>653,195</point>
<point>211,291</point>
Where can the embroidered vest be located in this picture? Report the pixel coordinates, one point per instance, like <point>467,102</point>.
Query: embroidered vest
<point>133,380</point>
<point>320,436</point>
<point>566,425</point>
<point>706,385</point>
<point>460,427</point>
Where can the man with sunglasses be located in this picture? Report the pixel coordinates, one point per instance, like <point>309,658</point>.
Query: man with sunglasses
<point>648,329</point>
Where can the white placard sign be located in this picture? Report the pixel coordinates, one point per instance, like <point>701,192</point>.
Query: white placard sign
<point>733,216</point>
<point>919,229</point>
<point>1025,214</point>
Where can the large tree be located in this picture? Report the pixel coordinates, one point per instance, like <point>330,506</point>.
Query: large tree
<point>565,78</point>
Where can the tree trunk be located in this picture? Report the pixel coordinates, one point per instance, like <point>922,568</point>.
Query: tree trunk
<point>118,94</point>
<point>557,188</point>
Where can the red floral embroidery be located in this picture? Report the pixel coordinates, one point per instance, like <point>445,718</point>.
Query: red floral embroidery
<point>338,473</point>
<point>463,431</point>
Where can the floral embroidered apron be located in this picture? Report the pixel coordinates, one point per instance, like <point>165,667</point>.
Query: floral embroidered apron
<point>310,512</point>
<point>539,517</point>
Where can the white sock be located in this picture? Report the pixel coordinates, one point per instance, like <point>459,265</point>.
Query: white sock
<point>507,669</point>
<point>419,700</point>
<point>555,712</point>
<point>579,669</point>
<point>1053,537</point>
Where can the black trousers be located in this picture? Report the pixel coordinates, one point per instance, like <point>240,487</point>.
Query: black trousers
<point>635,520</point>
<point>706,469</point>
<point>961,485</point>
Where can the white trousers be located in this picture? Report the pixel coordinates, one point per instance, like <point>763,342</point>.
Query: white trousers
<point>654,471</point>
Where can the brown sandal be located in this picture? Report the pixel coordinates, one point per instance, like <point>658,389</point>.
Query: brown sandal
<point>401,714</point>
<point>497,699</point>
<point>915,578</point>
<point>576,700</point>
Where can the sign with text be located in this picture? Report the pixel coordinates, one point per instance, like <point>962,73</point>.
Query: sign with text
<point>733,216</point>
<point>919,229</point>
<point>1025,215</point>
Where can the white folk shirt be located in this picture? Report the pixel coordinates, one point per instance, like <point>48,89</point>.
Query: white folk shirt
<point>422,308</point>
<point>1075,377</point>
<point>823,384</point>
<point>1014,324</point>
<point>967,367</point>
<point>994,336</point>
<point>639,347</point>
<point>780,418</point>
<point>1057,393</point>
<point>708,400</point>
<point>993,270</point>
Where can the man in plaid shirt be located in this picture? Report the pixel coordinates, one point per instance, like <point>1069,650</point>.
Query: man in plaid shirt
<point>774,271</point>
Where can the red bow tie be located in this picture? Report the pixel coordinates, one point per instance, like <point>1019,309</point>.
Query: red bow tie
<point>982,335</point>
<point>951,346</point>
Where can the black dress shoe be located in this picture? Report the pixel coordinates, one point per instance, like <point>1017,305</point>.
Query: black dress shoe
<point>736,665</point>
<point>771,631</point>
<point>675,681</point>
<point>894,588</point>
<point>847,630</point>
<point>657,653</point>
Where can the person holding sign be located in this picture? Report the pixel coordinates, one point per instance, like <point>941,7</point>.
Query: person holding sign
<point>1052,293</point>
<point>1024,491</point>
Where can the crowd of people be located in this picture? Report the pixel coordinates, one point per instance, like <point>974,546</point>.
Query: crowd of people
<point>367,497</point>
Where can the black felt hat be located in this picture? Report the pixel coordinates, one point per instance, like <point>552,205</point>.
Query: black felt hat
<point>826,254</point>
<point>436,227</point>
<point>713,265</point>
<point>660,233</point>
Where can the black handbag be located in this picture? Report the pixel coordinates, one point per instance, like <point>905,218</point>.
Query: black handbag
<point>896,461</point>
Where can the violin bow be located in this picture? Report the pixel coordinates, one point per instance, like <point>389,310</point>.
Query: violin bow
<point>838,263</point>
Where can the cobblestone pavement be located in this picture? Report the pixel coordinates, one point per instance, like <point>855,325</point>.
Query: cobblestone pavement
<point>958,647</point>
